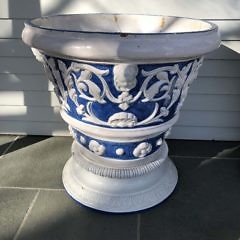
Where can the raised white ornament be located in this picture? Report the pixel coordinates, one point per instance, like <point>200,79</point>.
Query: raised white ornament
<point>121,84</point>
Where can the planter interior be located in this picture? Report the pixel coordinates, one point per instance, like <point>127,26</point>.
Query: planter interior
<point>121,81</point>
<point>132,24</point>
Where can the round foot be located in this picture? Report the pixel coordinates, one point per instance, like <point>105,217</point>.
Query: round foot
<point>116,194</point>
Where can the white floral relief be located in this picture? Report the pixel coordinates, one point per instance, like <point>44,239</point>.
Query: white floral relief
<point>170,85</point>
<point>96,147</point>
<point>122,119</point>
<point>124,77</point>
<point>189,79</point>
<point>120,151</point>
<point>82,140</point>
<point>80,109</point>
<point>174,88</point>
<point>86,87</point>
<point>64,74</point>
<point>53,75</point>
<point>39,56</point>
<point>159,142</point>
<point>142,149</point>
<point>72,133</point>
<point>124,99</point>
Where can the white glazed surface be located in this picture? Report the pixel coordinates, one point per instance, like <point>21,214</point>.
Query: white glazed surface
<point>120,135</point>
<point>119,194</point>
<point>131,24</point>
<point>136,38</point>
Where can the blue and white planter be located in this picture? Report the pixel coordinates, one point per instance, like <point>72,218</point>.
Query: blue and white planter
<point>121,83</point>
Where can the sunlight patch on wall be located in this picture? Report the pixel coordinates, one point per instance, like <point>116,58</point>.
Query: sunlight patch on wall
<point>234,45</point>
<point>11,98</point>
<point>7,30</point>
<point>4,9</point>
<point>12,111</point>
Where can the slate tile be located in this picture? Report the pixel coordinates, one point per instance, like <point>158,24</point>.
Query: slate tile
<point>221,149</point>
<point>204,206</point>
<point>56,216</point>
<point>14,204</point>
<point>37,165</point>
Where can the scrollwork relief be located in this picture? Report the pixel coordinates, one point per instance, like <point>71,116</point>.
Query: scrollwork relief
<point>165,84</point>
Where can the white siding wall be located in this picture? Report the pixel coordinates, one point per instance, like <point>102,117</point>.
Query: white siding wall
<point>27,102</point>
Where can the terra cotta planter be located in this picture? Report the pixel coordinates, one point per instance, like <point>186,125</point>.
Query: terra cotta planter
<point>121,81</point>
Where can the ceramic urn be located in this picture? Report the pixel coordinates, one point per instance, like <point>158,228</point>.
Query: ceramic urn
<point>121,81</point>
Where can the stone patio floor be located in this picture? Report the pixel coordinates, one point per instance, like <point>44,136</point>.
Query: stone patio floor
<point>33,204</point>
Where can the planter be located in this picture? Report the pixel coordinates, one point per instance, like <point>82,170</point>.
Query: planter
<point>121,81</point>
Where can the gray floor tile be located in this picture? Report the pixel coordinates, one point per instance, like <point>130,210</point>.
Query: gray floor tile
<point>14,204</point>
<point>37,165</point>
<point>221,149</point>
<point>56,216</point>
<point>5,141</point>
<point>204,206</point>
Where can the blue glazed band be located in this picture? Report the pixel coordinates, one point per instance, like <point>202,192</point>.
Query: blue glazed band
<point>106,94</point>
<point>111,148</point>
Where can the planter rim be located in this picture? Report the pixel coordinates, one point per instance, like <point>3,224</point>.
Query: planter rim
<point>32,23</point>
<point>58,35</point>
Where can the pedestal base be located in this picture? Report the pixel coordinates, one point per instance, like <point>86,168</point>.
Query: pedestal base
<point>120,193</point>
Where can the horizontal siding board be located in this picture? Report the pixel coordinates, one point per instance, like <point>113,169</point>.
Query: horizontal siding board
<point>24,82</point>
<point>229,50</point>
<point>16,48</point>
<point>213,68</point>
<point>11,28</point>
<point>34,128</point>
<point>178,132</point>
<point>26,113</point>
<point>193,102</point>
<point>202,85</point>
<point>20,65</point>
<point>187,118</point>
<point>28,98</point>
<point>215,85</point>
<point>212,102</point>
<point>209,119</point>
<point>220,68</point>
<point>215,9</point>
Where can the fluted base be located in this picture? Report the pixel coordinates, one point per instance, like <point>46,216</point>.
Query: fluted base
<point>126,190</point>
